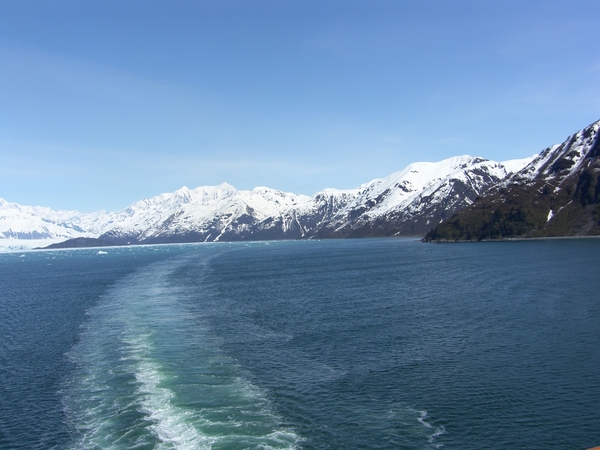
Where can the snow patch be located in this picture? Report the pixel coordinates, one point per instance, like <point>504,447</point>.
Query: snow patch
<point>515,165</point>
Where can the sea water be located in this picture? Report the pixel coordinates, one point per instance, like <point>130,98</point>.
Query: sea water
<point>378,343</point>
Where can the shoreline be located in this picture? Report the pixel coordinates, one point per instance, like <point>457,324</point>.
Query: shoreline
<point>26,245</point>
<point>540,238</point>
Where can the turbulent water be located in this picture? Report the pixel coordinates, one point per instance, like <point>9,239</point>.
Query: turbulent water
<point>381,343</point>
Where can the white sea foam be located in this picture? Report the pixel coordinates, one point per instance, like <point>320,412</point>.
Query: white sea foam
<point>437,431</point>
<point>137,351</point>
<point>170,424</point>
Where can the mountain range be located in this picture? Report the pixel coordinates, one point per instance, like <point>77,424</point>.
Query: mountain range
<point>408,202</point>
<point>554,193</point>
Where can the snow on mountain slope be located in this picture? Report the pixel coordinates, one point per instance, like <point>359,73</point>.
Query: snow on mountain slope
<point>515,165</point>
<point>412,200</point>
<point>301,220</point>
<point>200,214</point>
<point>560,161</point>
<point>419,179</point>
<point>37,222</point>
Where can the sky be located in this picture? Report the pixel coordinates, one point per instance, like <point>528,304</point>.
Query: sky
<point>103,103</point>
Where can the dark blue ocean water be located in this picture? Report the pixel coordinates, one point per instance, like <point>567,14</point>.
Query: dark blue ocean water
<point>378,343</point>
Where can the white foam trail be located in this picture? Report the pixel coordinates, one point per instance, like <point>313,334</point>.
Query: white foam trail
<point>124,393</point>
<point>170,425</point>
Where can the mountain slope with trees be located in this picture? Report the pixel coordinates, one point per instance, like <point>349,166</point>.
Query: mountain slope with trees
<point>557,194</point>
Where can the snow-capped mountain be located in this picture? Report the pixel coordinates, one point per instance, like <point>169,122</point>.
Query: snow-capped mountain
<point>556,194</point>
<point>413,200</point>
<point>208,213</point>
<point>408,202</point>
<point>38,222</point>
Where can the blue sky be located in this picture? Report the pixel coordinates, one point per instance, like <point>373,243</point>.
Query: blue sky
<point>106,102</point>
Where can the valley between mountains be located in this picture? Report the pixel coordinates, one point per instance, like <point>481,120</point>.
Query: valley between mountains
<point>554,193</point>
